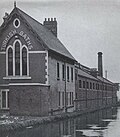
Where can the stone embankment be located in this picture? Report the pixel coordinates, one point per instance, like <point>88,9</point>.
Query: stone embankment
<point>12,122</point>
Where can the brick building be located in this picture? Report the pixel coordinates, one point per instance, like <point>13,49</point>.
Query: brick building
<point>92,90</point>
<point>38,75</point>
<point>36,70</point>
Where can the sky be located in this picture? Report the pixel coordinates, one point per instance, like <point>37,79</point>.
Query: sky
<point>85,27</point>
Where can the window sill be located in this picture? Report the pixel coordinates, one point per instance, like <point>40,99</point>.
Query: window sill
<point>5,108</point>
<point>17,77</point>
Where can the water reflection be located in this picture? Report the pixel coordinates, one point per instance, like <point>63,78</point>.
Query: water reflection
<point>97,124</point>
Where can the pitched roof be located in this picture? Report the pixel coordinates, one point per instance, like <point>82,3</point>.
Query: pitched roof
<point>52,42</point>
<point>104,80</point>
<point>85,74</point>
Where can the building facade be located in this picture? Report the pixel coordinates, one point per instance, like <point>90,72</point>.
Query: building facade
<point>38,75</point>
<point>93,91</point>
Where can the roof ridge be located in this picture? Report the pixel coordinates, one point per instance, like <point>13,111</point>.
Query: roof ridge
<point>29,23</point>
<point>29,16</point>
<point>50,42</point>
<point>54,43</point>
<point>38,23</point>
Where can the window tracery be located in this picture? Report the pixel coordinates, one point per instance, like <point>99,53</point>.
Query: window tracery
<point>17,59</point>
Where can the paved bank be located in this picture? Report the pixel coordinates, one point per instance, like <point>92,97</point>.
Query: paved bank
<point>13,123</point>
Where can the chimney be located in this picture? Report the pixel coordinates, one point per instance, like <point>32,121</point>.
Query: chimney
<point>100,67</point>
<point>51,25</point>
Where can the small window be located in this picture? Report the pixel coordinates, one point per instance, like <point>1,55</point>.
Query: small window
<point>93,85</point>
<point>67,101</point>
<point>90,85</point>
<point>58,71</point>
<point>75,76</point>
<point>83,84</point>
<point>76,96</point>
<point>4,104</point>
<point>87,85</point>
<point>59,99</point>
<point>63,72</point>
<point>16,23</point>
<point>71,74</point>
<point>103,87</point>
<point>106,87</point>
<point>63,98</point>
<point>68,73</point>
<point>70,98</point>
<point>100,87</point>
<point>96,86</point>
<point>5,99</point>
<point>80,84</point>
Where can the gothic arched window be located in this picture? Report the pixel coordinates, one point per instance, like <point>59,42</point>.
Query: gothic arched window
<point>10,61</point>
<point>24,61</point>
<point>17,58</point>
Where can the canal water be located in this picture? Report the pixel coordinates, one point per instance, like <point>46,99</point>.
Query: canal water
<point>103,123</point>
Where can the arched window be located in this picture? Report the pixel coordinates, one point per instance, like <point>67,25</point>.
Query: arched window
<point>10,61</point>
<point>24,61</point>
<point>17,58</point>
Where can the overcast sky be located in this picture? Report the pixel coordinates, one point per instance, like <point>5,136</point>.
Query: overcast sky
<point>85,27</point>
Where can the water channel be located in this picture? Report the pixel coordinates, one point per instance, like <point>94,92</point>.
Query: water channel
<point>103,123</point>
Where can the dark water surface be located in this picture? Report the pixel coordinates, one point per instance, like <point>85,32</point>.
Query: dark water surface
<point>103,123</point>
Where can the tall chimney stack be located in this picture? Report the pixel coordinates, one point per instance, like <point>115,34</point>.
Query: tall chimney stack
<point>51,25</point>
<point>100,67</point>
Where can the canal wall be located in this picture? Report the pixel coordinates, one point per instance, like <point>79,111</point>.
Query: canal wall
<point>29,122</point>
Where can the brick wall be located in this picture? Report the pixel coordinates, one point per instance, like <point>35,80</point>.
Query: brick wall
<point>93,98</point>
<point>58,85</point>
<point>29,100</point>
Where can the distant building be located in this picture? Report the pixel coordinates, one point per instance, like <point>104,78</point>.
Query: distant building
<point>38,75</point>
<point>93,91</point>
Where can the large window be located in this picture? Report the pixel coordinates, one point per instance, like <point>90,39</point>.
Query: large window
<point>10,61</point>
<point>24,61</point>
<point>17,59</point>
